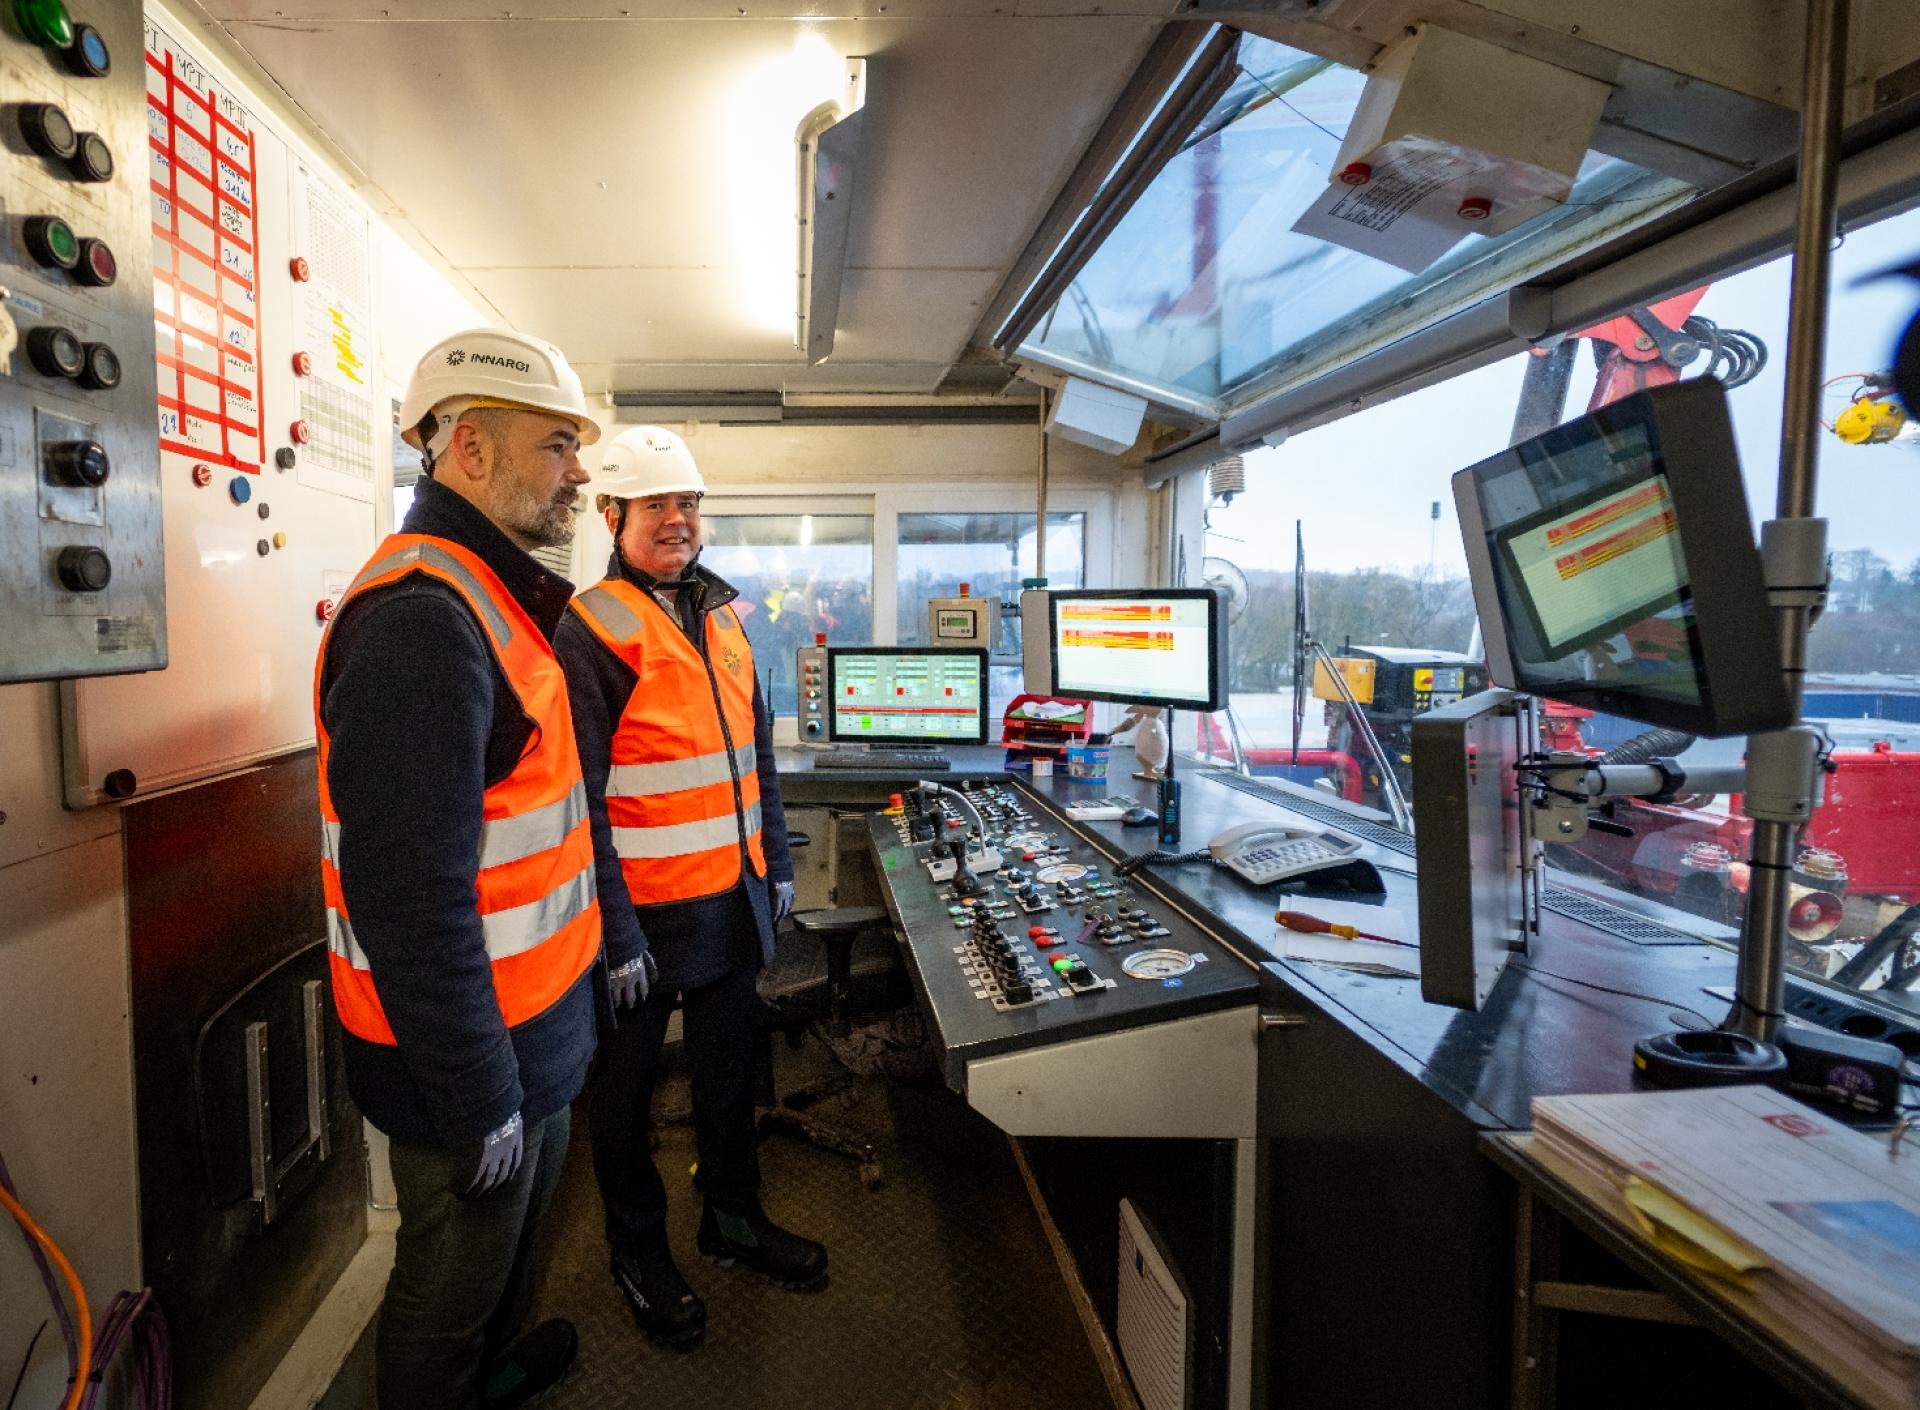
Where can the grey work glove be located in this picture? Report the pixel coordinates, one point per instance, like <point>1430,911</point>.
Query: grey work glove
<point>633,981</point>
<point>782,900</point>
<point>500,1155</point>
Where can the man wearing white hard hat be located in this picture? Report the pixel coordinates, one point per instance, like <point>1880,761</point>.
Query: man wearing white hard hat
<point>677,747</point>
<point>463,924</point>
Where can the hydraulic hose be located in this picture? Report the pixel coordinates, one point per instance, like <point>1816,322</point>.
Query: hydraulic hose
<point>1649,745</point>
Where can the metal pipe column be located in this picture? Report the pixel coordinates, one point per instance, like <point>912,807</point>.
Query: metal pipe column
<point>1760,982</point>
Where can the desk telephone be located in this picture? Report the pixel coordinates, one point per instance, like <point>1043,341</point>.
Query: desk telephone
<point>1264,853</point>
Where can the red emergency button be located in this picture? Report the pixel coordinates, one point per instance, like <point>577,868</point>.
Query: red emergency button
<point>299,269</point>
<point>1475,208</point>
<point>303,364</point>
<point>300,433</point>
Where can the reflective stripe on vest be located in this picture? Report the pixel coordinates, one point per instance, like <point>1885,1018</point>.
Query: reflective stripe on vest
<point>533,873</point>
<point>681,803</point>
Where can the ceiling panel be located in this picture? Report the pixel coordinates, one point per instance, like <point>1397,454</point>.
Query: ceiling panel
<point>626,187</point>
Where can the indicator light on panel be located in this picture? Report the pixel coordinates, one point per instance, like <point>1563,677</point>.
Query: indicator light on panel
<point>87,55</point>
<point>51,242</point>
<point>44,22</point>
<point>83,568</point>
<point>101,370</point>
<point>299,269</point>
<point>55,352</point>
<point>92,159</point>
<point>48,132</point>
<point>300,432</point>
<point>303,364</point>
<point>97,268</point>
<point>79,463</point>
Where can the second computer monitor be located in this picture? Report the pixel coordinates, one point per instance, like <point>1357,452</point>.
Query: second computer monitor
<point>906,695</point>
<point>1149,646</point>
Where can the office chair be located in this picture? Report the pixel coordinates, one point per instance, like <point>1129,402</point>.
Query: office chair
<point>816,978</point>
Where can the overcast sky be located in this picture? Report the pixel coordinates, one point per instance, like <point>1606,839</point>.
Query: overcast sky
<point>1365,485</point>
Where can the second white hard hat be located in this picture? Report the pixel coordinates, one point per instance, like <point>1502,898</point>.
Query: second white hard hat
<point>492,367</point>
<point>644,461</point>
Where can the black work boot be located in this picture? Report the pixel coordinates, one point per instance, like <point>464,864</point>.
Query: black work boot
<point>531,1367</point>
<point>747,1236</point>
<point>665,1307</point>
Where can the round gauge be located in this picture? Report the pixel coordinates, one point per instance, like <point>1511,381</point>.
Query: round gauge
<point>1063,871</point>
<point>1157,964</point>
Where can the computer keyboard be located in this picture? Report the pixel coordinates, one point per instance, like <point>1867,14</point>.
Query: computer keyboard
<point>884,760</point>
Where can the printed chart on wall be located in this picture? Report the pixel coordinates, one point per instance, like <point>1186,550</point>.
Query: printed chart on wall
<point>201,150</point>
<point>333,328</point>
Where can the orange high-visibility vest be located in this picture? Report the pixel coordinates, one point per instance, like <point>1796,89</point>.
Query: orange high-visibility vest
<point>538,902</point>
<point>683,796</point>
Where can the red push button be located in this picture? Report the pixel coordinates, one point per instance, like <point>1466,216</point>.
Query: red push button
<point>97,265</point>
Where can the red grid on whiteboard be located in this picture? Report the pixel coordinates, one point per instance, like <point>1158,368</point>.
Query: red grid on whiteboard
<point>206,315</point>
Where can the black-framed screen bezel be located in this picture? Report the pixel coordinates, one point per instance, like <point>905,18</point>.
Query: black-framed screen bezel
<point>974,653</point>
<point>1216,645</point>
<point>1732,638</point>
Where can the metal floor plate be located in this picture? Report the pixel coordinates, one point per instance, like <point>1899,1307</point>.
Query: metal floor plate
<point>943,1293</point>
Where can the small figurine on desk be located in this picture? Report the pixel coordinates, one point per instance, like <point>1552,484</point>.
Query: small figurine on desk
<point>1151,745</point>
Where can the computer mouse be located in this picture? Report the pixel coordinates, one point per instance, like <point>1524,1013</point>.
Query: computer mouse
<point>1139,817</point>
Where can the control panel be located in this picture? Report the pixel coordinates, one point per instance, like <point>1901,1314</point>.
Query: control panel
<point>810,671</point>
<point>1021,933</point>
<point>82,571</point>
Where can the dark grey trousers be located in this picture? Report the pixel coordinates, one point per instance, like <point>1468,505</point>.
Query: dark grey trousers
<point>462,1270</point>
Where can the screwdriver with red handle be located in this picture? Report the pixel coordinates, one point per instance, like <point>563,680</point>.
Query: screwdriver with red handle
<point>1313,925</point>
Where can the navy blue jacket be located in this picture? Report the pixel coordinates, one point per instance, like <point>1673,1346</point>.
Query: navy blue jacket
<point>422,721</point>
<point>693,942</point>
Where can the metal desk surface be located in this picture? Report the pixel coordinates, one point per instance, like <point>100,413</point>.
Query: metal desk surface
<point>1540,1033</point>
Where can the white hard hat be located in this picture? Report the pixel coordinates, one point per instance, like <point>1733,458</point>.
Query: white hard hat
<point>491,367</point>
<point>644,461</point>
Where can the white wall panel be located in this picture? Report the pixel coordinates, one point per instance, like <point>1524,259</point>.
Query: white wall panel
<point>243,590</point>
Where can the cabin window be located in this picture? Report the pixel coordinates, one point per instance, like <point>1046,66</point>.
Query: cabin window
<point>1205,297</point>
<point>991,552</point>
<point>797,574</point>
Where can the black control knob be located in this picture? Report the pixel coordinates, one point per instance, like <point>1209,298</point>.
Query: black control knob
<point>93,158</point>
<point>83,569</point>
<point>51,241</point>
<point>97,267</point>
<point>47,131</point>
<point>101,372</point>
<point>82,463</point>
<point>88,55</point>
<point>55,352</point>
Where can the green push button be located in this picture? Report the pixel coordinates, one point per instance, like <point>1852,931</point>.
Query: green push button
<point>44,22</point>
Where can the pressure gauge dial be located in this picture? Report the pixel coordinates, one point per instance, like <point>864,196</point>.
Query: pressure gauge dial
<point>1157,964</point>
<point>1063,871</point>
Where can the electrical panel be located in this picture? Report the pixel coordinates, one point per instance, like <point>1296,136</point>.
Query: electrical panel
<point>810,673</point>
<point>82,570</point>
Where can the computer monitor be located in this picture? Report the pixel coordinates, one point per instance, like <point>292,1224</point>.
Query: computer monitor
<point>1613,566</point>
<point>1139,646</point>
<point>906,695</point>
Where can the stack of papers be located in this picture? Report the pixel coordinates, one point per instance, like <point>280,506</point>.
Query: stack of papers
<point>1819,1222</point>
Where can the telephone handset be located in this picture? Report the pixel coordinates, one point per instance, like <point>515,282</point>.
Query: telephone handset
<point>1266,852</point>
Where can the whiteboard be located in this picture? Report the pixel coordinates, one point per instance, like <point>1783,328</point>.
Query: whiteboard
<point>243,623</point>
